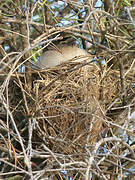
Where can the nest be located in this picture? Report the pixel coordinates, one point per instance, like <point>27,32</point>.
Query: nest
<point>65,107</point>
<point>68,102</point>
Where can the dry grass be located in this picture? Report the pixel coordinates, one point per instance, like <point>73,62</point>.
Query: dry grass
<point>71,117</point>
<point>63,113</point>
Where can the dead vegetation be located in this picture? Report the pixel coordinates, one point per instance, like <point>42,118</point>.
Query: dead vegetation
<point>70,120</point>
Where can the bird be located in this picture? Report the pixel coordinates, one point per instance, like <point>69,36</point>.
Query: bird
<point>65,50</point>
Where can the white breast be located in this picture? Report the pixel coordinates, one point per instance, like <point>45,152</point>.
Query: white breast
<point>52,58</point>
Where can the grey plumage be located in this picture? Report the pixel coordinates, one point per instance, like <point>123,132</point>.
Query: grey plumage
<point>54,57</point>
